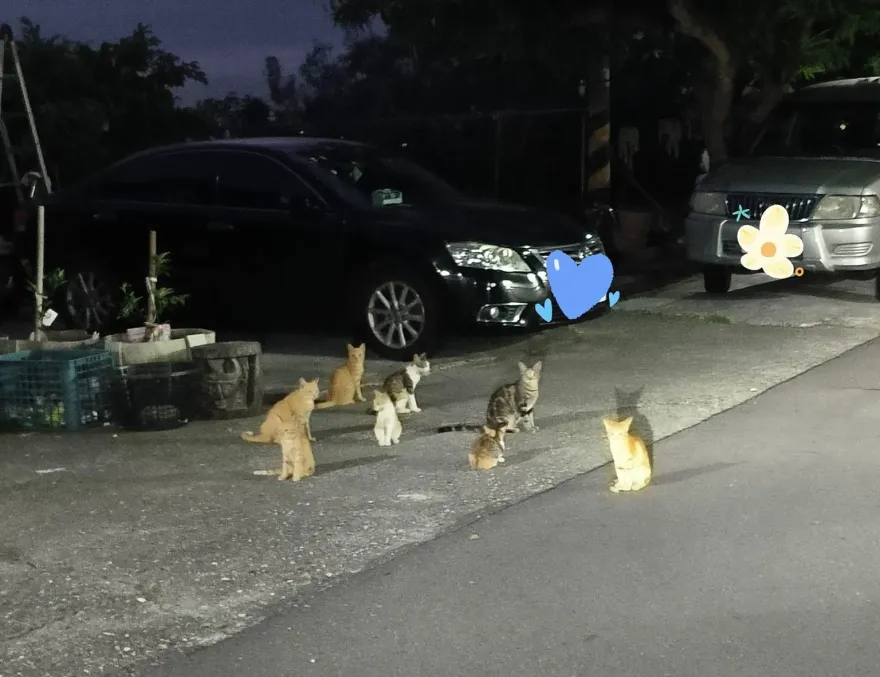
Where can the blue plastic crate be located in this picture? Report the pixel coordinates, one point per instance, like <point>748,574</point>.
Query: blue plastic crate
<point>55,389</point>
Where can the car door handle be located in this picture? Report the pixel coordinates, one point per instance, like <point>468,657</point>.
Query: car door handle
<point>220,226</point>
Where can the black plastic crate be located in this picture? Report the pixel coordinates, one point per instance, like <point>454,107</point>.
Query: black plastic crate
<point>55,389</point>
<point>156,396</point>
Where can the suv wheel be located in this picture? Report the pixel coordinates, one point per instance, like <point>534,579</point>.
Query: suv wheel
<point>89,300</point>
<point>396,314</point>
<point>717,279</point>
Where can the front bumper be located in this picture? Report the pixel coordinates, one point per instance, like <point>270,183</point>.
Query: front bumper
<point>493,299</point>
<point>828,245</point>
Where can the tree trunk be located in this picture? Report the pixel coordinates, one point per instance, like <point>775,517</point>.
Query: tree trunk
<point>720,77</point>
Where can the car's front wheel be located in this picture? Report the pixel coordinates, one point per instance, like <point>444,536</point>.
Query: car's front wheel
<point>89,300</point>
<point>396,313</point>
<point>717,279</point>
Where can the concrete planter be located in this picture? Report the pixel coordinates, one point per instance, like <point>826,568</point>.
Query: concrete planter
<point>55,340</point>
<point>175,349</point>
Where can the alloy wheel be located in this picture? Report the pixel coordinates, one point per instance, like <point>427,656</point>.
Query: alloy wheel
<point>396,314</point>
<point>89,302</point>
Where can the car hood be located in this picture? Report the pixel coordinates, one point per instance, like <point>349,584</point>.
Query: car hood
<point>484,221</point>
<point>813,176</point>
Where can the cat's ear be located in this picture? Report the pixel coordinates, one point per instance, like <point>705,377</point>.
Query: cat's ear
<point>522,368</point>
<point>424,357</point>
<point>350,347</point>
<point>607,422</point>
<point>626,423</point>
<point>302,381</point>
<point>538,365</point>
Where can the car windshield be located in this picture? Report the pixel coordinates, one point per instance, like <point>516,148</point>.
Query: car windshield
<point>372,177</point>
<point>822,130</point>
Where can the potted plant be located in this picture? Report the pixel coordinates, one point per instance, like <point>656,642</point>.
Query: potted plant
<point>43,339</point>
<point>154,341</point>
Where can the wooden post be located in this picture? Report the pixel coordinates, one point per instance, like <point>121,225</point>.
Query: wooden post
<point>599,142</point>
<point>151,282</point>
<point>38,283</point>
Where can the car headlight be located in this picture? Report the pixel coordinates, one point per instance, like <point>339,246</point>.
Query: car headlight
<point>709,203</point>
<point>840,207</point>
<point>593,242</point>
<point>487,257</point>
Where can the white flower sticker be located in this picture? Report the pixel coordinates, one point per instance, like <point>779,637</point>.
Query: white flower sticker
<point>769,247</point>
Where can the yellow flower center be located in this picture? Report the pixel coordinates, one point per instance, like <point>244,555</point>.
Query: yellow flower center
<point>768,250</point>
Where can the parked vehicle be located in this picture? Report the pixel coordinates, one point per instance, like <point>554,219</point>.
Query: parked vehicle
<point>273,228</point>
<point>819,157</point>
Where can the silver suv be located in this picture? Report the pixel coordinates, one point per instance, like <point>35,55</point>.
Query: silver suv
<point>819,157</point>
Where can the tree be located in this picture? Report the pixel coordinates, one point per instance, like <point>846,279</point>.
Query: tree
<point>769,45</point>
<point>246,116</point>
<point>96,104</point>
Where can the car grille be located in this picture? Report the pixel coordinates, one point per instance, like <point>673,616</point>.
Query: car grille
<point>799,207</point>
<point>732,248</point>
<point>578,251</point>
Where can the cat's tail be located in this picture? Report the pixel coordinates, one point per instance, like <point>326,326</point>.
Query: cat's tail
<point>259,438</point>
<point>326,404</point>
<point>458,427</point>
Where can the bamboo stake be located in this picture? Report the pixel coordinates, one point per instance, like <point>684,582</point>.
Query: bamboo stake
<point>151,283</point>
<point>38,283</point>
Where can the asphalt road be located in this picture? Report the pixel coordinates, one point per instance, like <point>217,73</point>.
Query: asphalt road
<point>754,552</point>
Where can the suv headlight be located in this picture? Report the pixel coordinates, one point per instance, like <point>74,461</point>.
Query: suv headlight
<point>841,207</point>
<point>709,203</point>
<point>487,257</point>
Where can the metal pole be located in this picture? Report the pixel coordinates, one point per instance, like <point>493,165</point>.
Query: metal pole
<point>30,115</point>
<point>151,281</point>
<point>38,283</point>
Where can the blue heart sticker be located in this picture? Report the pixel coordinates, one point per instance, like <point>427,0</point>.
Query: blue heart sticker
<point>545,310</point>
<point>578,287</point>
<point>613,298</point>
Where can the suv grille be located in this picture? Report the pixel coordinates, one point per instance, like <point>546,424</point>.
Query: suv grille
<point>799,207</point>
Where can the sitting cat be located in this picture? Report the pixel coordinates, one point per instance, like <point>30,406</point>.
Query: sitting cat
<point>297,406</point>
<point>387,428</point>
<point>509,405</point>
<point>631,461</point>
<point>401,385</point>
<point>345,382</point>
<point>297,458</point>
<point>487,452</point>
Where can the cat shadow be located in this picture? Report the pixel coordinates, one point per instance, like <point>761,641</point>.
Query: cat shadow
<point>690,473</point>
<point>627,404</point>
<point>322,468</point>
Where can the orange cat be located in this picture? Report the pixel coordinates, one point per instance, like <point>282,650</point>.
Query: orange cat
<point>297,459</point>
<point>631,461</point>
<point>345,383</point>
<point>488,451</point>
<point>296,407</point>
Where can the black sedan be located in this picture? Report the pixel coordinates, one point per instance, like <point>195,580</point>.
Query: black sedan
<point>290,229</point>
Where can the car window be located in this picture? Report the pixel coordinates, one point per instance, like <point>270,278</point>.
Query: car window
<point>176,178</point>
<point>251,181</point>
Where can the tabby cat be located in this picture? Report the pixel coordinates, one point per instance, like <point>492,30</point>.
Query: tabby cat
<point>401,385</point>
<point>510,405</point>
<point>345,382</point>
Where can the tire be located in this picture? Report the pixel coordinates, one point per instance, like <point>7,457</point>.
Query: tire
<point>408,287</point>
<point>90,299</point>
<point>717,279</point>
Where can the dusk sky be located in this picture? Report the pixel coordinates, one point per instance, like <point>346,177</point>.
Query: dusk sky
<point>229,38</point>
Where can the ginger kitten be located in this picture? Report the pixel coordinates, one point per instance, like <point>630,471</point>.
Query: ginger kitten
<point>345,382</point>
<point>297,406</point>
<point>387,428</point>
<point>488,450</point>
<point>297,458</point>
<point>631,461</point>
